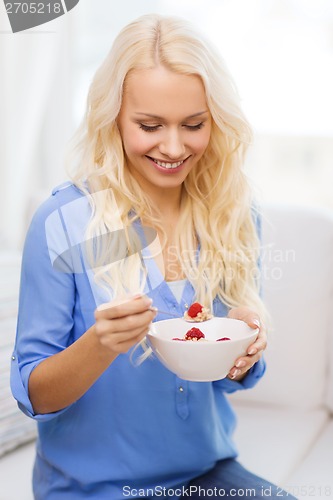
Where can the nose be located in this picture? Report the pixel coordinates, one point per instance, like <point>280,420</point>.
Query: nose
<point>172,145</point>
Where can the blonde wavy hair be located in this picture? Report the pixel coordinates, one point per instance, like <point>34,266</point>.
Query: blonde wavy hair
<point>217,207</point>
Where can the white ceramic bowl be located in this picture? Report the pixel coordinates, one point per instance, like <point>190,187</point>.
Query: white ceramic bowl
<point>201,361</point>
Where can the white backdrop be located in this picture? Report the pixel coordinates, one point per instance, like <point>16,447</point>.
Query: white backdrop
<point>35,119</point>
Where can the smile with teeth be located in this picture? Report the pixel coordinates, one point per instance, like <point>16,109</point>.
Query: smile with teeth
<point>168,165</point>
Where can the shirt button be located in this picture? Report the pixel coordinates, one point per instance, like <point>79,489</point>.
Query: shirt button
<point>13,358</point>
<point>181,389</point>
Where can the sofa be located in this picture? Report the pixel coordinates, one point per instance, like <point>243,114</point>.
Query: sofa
<point>285,430</point>
<point>285,425</point>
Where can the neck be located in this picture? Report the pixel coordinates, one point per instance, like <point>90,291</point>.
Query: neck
<point>167,202</point>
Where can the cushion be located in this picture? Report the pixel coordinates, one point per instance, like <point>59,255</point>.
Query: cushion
<point>16,473</point>
<point>273,441</point>
<point>315,475</point>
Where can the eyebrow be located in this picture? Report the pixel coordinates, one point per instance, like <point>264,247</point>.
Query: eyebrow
<point>161,118</point>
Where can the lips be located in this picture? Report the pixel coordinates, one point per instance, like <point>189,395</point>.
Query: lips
<point>167,165</point>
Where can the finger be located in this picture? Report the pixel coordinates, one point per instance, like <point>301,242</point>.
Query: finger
<point>247,362</point>
<point>132,323</point>
<point>245,314</point>
<point>260,344</point>
<point>121,344</point>
<point>108,337</point>
<point>243,365</point>
<point>127,325</point>
<point>124,307</point>
<point>119,301</point>
<point>252,319</point>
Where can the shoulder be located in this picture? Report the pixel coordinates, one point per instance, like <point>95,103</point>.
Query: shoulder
<point>67,190</point>
<point>58,228</point>
<point>60,196</point>
<point>67,206</point>
<point>65,199</point>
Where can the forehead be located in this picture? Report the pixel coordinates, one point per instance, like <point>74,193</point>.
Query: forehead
<point>165,93</point>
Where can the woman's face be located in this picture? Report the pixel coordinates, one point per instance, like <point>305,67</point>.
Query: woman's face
<point>165,126</point>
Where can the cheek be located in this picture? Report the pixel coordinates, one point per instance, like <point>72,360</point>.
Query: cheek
<point>138,143</point>
<point>200,144</point>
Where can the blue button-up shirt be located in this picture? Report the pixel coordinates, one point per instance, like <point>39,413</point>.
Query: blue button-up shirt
<point>137,426</point>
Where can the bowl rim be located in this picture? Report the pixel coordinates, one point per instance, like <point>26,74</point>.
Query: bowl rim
<point>251,334</point>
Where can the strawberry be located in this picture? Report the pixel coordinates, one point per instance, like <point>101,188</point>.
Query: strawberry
<point>194,333</point>
<point>194,309</point>
<point>222,338</point>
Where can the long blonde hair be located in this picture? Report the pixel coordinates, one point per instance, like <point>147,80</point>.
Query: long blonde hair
<point>217,207</point>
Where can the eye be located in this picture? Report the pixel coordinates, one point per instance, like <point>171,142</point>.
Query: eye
<point>147,128</point>
<point>195,127</point>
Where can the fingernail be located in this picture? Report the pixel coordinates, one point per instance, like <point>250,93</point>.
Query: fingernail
<point>154,309</point>
<point>240,364</point>
<point>235,374</point>
<point>256,322</point>
<point>252,351</point>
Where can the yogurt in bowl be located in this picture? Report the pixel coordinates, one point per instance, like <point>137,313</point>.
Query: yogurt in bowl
<point>206,360</point>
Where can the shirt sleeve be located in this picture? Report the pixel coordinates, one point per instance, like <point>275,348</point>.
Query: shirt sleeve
<point>46,304</point>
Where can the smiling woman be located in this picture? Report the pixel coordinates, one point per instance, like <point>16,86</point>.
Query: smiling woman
<point>163,143</point>
<point>162,146</point>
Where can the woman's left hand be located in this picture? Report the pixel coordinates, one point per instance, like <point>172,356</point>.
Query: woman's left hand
<point>255,350</point>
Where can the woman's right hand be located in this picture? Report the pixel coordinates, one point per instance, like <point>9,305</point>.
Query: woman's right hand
<point>121,324</point>
<point>61,379</point>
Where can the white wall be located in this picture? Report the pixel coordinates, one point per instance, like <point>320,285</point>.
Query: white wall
<point>35,119</point>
